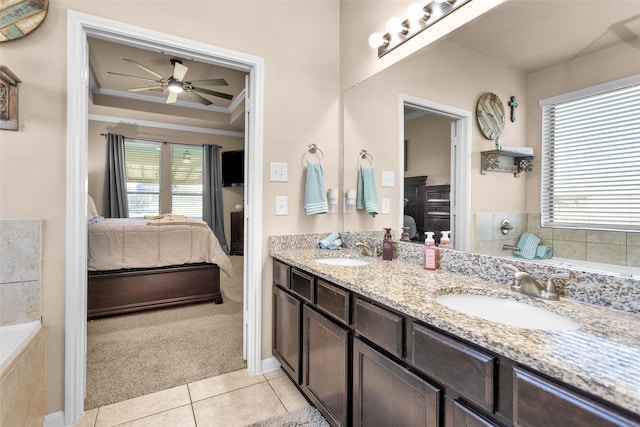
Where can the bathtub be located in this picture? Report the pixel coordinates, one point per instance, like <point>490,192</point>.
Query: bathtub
<point>14,339</point>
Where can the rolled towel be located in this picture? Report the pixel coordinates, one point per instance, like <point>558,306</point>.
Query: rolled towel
<point>335,244</point>
<point>544,252</point>
<point>324,243</point>
<point>527,245</point>
<point>367,198</point>
<point>315,196</point>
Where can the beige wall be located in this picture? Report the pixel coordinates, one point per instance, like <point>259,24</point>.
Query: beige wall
<point>301,106</point>
<point>439,74</point>
<point>429,148</point>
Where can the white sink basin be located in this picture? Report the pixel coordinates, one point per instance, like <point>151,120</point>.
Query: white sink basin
<point>346,262</point>
<point>508,312</point>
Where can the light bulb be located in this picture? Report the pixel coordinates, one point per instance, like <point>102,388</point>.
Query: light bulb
<point>394,25</point>
<point>376,40</point>
<point>175,86</point>
<point>416,12</point>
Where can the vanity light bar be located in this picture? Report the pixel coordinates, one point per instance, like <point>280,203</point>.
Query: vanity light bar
<point>399,31</point>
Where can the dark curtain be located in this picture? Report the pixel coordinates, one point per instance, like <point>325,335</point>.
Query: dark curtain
<point>212,212</point>
<point>114,196</point>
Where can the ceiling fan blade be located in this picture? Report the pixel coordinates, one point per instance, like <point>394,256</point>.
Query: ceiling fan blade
<point>200,99</point>
<point>129,75</point>
<point>140,89</point>
<point>179,71</point>
<point>212,92</point>
<point>142,67</point>
<point>172,98</point>
<point>210,82</point>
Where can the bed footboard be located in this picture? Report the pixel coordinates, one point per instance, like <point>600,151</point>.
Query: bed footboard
<point>128,291</point>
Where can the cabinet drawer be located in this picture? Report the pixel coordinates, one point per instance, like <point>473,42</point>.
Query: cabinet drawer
<point>333,301</point>
<point>561,406</point>
<point>379,326</point>
<point>281,274</point>
<point>302,284</point>
<point>463,416</point>
<point>466,370</point>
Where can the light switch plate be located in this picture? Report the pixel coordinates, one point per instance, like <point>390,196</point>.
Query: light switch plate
<point>278,172</point>
<point>281,205</point>
<point>385,205</point>
<point>388,179</point>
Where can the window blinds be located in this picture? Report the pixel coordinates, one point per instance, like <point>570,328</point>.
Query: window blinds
<point>142,173</point>
<point>591,159</point>
<point>186,180</point>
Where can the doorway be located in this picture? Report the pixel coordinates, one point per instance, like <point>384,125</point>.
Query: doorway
<point>460,162</point>
<point>80,27</point>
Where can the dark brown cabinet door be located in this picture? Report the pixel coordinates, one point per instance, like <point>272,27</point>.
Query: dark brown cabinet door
<point>539,402</point>
<point>459,415</point>
<point>287,312</point>
<point>237,233</point>
<point>325,366</point>
<point>386,394</point>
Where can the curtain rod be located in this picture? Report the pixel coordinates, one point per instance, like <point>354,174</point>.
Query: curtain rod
<point>162,142</point>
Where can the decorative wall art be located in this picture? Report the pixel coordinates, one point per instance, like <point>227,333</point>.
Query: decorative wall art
<point>8,99</point>
<point>490,115</point>
<point>19,18</point>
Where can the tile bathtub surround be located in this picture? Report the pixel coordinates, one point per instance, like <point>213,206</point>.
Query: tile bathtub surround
<point>601,358</point>
<point>19,271</point>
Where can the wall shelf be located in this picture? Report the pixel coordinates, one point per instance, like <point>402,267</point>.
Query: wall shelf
<point>505,161</point>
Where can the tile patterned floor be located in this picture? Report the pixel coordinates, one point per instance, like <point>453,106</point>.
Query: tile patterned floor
<point>234,399</point>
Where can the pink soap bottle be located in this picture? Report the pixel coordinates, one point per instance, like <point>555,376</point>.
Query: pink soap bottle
<point>430,252</point>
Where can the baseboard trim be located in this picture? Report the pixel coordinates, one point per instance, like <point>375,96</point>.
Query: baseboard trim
<point>269,364</point>
<point>54,420</point>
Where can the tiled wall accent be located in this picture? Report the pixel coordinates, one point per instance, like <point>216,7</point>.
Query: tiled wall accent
<point>609,247</point>
<point>19,271</point>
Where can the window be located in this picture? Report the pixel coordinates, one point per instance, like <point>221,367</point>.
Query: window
<point>591,158</point>
<point>186,180</point>
<point>142,163</point>
<point>163,178</point>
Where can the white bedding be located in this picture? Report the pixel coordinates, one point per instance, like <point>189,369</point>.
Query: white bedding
<point>118,243</point>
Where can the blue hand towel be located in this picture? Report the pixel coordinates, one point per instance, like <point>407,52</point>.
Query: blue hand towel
<point>324,243</point>
<point>315,196</point>
<point>367,198</point>
<point>335,244</point>
<point>544,252</point>
<point>527,245</point>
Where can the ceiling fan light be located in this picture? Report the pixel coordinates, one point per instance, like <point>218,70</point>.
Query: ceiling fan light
<point>175,86</point>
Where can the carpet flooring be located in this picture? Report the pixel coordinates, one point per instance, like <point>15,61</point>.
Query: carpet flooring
<point>136,354</point>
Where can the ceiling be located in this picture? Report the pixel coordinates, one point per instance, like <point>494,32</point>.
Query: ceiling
<point>111,90</point>
<point>528,35</point>
<point>531,35</point>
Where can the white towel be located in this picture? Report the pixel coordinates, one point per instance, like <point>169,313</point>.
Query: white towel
<point>315,196</point>
<point>367,197</point>
<point>324,243</point>
<point>525,151</point>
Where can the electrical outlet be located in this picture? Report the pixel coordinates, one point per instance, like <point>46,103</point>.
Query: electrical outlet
<point>281,205</point>
<point>385,207</point>
<point>278,172</point>
<point>388,179</point>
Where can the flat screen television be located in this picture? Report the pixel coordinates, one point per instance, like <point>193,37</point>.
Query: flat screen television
<point>233,168</point>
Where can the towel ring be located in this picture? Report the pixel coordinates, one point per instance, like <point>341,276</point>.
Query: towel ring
<point>364,156</point>
<point>312,149</point>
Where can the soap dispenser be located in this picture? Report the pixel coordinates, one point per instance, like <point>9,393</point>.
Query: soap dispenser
<point>387,245</point>
<point>445,241</point>
<point>430,252</point>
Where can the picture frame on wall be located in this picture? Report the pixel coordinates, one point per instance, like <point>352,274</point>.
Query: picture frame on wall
<point>8,99</point>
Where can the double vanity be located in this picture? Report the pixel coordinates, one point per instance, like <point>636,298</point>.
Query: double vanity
<point>373,342</point>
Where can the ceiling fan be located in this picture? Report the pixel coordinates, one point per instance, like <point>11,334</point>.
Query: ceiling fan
<point>176,83</point>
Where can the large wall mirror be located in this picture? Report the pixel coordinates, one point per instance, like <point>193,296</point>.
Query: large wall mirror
<point>520,49</point>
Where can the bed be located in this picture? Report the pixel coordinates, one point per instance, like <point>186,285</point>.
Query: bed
<point>138,264</point>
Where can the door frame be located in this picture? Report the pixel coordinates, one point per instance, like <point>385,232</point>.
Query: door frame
<point>460,165</point>
<point>80,27</point>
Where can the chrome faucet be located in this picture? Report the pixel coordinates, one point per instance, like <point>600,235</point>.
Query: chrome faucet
<point>367,250</point>
<point>525,284</point>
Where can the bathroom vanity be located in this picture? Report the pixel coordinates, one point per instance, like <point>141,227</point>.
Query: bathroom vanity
<point>370,345</point>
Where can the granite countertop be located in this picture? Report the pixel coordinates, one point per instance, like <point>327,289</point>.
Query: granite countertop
<point>601,358</point>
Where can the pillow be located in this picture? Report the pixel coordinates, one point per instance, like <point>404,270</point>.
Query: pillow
<point>92,211</point>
